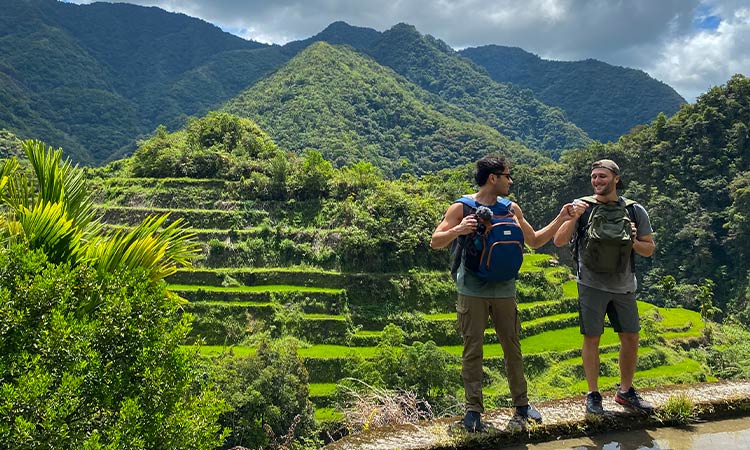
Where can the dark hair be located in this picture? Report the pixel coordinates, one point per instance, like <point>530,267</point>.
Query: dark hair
<point>487,165</point>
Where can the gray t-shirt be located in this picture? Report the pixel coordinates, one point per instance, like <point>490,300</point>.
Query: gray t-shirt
<point>619,283</point>
<point>468,284</point>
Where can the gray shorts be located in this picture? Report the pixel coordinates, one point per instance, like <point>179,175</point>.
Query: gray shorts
<point>594,304</point>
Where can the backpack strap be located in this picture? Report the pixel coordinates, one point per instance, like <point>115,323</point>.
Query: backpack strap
<point>470,205</point>
<point>505,207</point>
<point>630,208</point>
<point>467,201</point>
<point>590,199</point>
<point>581,225</point>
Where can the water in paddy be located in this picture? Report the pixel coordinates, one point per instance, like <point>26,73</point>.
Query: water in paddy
<point>731,434</point>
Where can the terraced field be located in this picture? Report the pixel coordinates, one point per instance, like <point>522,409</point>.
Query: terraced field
<point>240,286</point>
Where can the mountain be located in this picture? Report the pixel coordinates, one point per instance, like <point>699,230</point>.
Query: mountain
<point>10,146</point>
<point>97,78</point>
<point>350,108</point>
<point>605,101</point>
<point>514,112</point>
<point>92,78</point>
<point>337,33</point>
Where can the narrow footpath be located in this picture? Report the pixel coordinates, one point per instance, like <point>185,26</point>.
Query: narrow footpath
<point>563,418</point>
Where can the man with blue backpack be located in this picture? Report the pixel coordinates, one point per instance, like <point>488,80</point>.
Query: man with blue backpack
<point>608,232</point>
<point>488,233</point>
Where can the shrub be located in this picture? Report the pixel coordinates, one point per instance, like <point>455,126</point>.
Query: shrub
<point>91,360</point>
<point>268,390</point>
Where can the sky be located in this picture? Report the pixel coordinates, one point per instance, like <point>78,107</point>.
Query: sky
<point>691,45</point>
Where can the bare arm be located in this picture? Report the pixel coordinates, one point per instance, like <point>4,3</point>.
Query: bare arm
<point>453,225</point>
<point>563,235</point>
<point>536,239</point>
<point>643,245</point>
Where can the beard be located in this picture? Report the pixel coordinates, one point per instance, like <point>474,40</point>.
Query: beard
<point>606,189</point>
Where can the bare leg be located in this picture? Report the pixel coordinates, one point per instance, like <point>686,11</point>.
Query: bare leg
<point>628,359</point>
<point>590,356</point>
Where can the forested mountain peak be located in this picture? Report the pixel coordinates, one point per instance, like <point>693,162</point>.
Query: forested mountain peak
<point>94,78</point>
<point>338,32</point>
<point>144,42</point>
<point>605,101</point>
<point>435,67</point>
<point>350,108</point>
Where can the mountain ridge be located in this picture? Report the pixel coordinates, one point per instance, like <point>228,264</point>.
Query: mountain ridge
<point>561,84</point>
<point>97,78</point>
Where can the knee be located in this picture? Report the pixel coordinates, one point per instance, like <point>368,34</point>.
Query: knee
<point>591,341</point>
<point>473,350</point>
<point>629,338</point>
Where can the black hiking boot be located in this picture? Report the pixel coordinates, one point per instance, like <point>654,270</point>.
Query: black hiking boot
<point>594,403</point>
<point>473,422</point>
<point>633,400</point>
<point>529,413</point>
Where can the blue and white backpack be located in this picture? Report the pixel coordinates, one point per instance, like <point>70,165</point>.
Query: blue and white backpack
<point>495,251</point>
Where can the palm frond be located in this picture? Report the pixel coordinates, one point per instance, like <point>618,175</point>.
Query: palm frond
<point>148,245</point>
<point>59,181</point>
<point>9,178</point>
<point>47,227</point>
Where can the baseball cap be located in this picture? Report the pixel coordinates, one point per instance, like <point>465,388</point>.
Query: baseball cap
<point>611,166</point>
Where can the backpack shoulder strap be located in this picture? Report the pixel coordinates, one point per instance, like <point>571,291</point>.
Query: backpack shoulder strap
<point>504,201</point>
<point>630,208</point>
<point>456,248</point>
<point>503,207</point>
<point>590,199</point>
<point>467,201</point>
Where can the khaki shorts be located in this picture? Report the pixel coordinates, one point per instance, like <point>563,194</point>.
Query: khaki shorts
<point>594,304</point>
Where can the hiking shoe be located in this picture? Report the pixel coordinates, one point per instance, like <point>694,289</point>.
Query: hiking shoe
<point>594,403</point>
<point>529,413</point>
<point>472,422</point>
<point>633,399</point>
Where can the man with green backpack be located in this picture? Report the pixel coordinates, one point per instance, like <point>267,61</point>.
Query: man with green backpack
<point>607,234</point>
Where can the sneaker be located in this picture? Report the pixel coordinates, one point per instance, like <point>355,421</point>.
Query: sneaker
<point>594,403</point>
<point>472,422</point>
<point>633,399</point>
<point>529,413</point>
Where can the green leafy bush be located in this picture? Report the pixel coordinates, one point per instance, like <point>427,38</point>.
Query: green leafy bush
<point>269,389</point>
<point>91,360</point>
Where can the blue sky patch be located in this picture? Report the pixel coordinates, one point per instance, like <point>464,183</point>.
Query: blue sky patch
<point>704,20</point>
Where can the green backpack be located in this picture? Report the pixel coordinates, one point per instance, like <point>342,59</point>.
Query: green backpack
<point>605,233</point>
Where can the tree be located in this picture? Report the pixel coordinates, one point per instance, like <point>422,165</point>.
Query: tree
<point>267,391</point>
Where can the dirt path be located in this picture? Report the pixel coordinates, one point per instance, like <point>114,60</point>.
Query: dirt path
<point>562,418</point>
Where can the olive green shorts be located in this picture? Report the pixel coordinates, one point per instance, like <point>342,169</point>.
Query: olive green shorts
<point>594,304</point>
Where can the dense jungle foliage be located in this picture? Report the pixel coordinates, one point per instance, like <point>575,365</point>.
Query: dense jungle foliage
<point>95,78</point>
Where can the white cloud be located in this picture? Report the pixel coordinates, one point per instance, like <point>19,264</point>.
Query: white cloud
<point>693,64</point>
<point>659,37</point>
